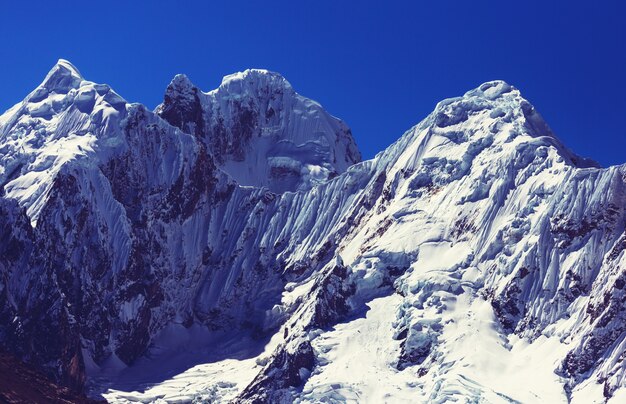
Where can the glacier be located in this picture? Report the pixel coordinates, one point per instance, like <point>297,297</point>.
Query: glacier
<point>232,246</point>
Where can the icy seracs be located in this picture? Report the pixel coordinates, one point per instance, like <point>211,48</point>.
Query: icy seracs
<point>158,256</point>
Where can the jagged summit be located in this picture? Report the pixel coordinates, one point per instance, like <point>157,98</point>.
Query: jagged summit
<point>237,83</point>
<point>62,77</point>
<point>489,117</point>
<point>179,84</point>
<point>261,132</point>
<point>60,122</point>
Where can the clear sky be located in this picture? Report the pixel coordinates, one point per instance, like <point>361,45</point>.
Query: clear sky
<point>380,66</point>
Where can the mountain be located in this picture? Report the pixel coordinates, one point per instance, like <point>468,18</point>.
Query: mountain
<point>231,247</point>
<point>296,143</point>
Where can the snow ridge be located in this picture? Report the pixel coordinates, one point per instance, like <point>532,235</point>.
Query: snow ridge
<point>475,252</point>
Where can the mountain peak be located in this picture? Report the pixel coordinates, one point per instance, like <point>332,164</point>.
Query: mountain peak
<point>180,87</point>
<point>181,80</point>
<point>493,89</point>
<point>259,76</point>
<point>62,77</point>
<point>260,131</point>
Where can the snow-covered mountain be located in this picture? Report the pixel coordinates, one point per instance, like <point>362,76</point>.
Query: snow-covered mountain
<point>165,256</point>
<point>261,132</point>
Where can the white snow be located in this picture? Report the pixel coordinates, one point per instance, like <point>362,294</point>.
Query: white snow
<point>292,144</point>
<point>476,209</point>
<point>356,361</point>
<point>461,201</point>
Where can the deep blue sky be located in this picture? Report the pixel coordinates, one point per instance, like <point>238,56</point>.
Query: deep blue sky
<point>380,66</point>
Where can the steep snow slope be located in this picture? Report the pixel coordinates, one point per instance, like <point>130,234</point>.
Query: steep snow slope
<point>261,131</point>
<point>474,258</point>
<point>136,228</point>
<point>487,236</point>
<point>83,261</point>
<point>56,123</point>
<point>481,203</point>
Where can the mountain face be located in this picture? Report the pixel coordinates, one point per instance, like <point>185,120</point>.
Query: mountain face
<point>231,247</point>
<point>261,132</point>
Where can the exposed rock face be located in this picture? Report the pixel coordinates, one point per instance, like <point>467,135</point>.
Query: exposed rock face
<point>261,132</point>
<point>21,383</point>
<point>474,242</point>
